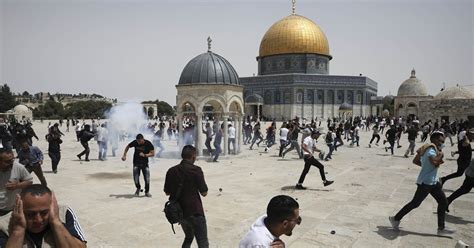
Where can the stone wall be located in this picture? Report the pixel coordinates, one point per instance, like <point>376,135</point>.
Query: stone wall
<point>450,108</point>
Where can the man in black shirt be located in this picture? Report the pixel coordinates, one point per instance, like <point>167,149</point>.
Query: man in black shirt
<point>412,134</point>
<point>191,179</point>
<point>391,135</point>
<point>143,150</point>
<point>54,146</point>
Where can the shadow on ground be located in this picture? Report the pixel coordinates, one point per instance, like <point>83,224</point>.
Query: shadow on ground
<point>292,188</point>
<point>125,196</point>
<point>389,233</point>
<point>457,220</point>
<point>110,175</point>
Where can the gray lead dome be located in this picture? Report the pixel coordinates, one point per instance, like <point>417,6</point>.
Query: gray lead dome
<point>209,68</point>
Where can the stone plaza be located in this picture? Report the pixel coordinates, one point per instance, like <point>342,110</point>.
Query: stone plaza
<point>370,185</point>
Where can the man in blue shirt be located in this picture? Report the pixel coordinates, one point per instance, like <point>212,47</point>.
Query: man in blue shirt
<point>32,158</point>
<point>431,158</point>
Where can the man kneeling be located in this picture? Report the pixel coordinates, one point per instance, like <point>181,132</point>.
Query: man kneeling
<point>38,221</point>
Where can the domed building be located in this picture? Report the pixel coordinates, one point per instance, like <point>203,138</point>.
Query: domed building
<point>410,93</point>
<point>21,112</point>
<point>293,76</point>
<point>453,103</point>
<point>209,89</point>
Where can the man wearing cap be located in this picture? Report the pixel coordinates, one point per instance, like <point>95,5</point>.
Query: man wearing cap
<point>309,148</point>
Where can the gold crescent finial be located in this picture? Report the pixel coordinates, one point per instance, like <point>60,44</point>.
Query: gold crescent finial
<point>293,2</point>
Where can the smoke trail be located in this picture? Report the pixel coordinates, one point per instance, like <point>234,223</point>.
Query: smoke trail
<point>129,118</point>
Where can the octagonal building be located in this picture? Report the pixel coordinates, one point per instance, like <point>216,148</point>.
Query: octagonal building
<point>294,80</point>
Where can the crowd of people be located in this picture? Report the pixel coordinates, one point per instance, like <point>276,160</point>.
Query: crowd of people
<point>31,214</point>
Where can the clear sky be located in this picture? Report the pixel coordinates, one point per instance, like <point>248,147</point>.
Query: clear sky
<point>136,49</point>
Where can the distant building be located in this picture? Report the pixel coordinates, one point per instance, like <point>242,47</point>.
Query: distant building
<point>19,112</point>
<point>33,101</point>
<point>454,103</point>
<point>410,93</point>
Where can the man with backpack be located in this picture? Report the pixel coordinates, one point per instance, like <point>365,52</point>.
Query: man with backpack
<point>184,183</point>
<point>429,157</point>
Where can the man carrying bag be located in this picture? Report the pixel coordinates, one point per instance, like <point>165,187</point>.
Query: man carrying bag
<point>184,184</point>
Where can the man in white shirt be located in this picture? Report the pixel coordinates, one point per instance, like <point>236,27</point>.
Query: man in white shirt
<point>231,133</point>
<point>13,178</point>
<point>283,137</point>
<point>282,216</point>
<point>102,135</point>
<point>309,147</point>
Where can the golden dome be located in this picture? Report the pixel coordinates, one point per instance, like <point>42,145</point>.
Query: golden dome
<point>294,34</point>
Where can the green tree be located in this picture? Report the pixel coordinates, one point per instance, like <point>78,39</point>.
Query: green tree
<point>51,109</point>
<point>7,100</point>
<point>87,109</point>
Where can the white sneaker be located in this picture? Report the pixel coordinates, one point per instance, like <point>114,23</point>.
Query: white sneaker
<point>461,244</point>
<point>445,231</point>
<point>393,222</point>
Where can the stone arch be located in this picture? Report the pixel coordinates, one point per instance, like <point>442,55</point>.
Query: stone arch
<point>235,104</point>
<point>217,101</point>
<point>300,96</point>
<point>186,106</point>
<point>359,97</point>
<point>400,106</point>
<point>411,105</point>
<point>350,97</point>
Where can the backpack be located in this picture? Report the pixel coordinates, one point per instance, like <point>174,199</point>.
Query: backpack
<point>173,210</point>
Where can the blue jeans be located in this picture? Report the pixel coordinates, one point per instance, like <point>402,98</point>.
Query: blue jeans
<point>355,140</point>
<point>146,174</point>
<point>331,149</point>
<point>195,226</point>
<point>217,151</point>
<point>55,157</point>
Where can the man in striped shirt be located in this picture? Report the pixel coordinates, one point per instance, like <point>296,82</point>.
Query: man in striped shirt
<point>38,221</point>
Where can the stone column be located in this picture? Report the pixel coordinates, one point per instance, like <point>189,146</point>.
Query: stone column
<point>180,120</point>
<point>225,133</point>
<point>199,133</point>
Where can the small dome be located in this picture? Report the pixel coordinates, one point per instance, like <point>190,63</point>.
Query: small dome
<point>345,106</point>
<point>456,92</point>
<point>21,109</point>
<point>294,34</point>
<point>209,68</point>
<point>412,87</point>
